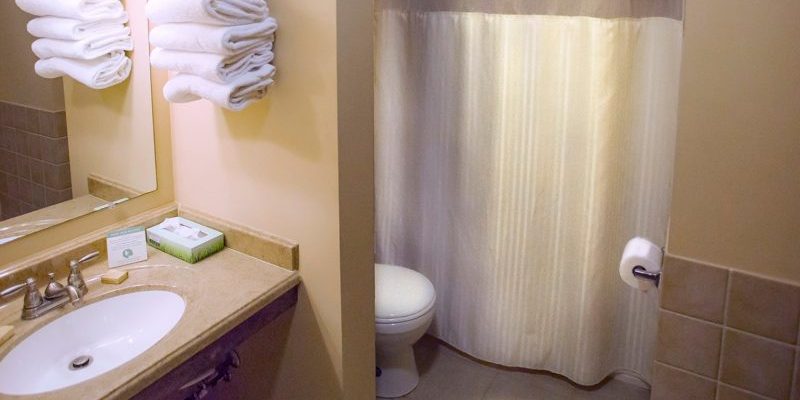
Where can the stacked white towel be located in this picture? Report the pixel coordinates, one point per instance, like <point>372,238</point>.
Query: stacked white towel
<point>83,39</point>
<point>209,12</point>
<point>99,73</point>
<point>84,10</point>
<point>236,94</point>
<point>222,49</point>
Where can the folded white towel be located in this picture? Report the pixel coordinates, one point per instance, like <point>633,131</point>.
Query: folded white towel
<point>227,40</point>
<point>85,49</point>
<point>100,73</point>
<point>87,10</point>
<point>214,67</point>
<point>235,95</point>
<point>75,29</point>
<point>214,12</point>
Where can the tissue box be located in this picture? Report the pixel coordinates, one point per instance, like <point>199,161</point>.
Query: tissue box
<point>187,240</point>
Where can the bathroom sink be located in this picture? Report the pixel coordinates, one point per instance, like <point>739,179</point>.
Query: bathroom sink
<point>89,341</point>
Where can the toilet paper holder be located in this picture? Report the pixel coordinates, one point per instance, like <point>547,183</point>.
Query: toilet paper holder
<point>641,273</point>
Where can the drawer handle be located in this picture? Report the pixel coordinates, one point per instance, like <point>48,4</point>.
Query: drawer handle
<point>211,377</point>
<point>205,376</point>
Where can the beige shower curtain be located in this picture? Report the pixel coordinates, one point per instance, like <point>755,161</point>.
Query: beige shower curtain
<point>520,144</point>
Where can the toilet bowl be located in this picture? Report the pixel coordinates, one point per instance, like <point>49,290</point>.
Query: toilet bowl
<point>404,302</point>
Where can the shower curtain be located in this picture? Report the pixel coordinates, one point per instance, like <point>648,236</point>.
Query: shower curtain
<point>519,145</point>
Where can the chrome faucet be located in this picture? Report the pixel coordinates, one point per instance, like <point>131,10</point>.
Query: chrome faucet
<point>55,294</point>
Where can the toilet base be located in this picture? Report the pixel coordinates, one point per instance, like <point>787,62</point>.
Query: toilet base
<point>398,372</point>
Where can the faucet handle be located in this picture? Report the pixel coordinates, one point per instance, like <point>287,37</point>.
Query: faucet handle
<point>73,264</point>
<point>8,292</point>
<point>75,278</point>
<point>33,298</point>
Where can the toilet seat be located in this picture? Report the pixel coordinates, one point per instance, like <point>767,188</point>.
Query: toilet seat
<point>400,328</point>
<point>401,294</point>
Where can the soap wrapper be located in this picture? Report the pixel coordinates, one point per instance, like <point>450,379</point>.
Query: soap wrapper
<point>126,246</point>
<point>185,239</point>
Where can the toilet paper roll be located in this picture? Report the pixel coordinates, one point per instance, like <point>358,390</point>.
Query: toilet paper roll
<point>642,252</point>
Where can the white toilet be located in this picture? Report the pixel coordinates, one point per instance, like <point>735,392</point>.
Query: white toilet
<point>404,301</point>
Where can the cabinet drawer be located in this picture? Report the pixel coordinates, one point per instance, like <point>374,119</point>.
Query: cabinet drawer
<point>208,367</point>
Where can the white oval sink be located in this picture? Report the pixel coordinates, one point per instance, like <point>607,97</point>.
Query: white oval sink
<point>111,332</point>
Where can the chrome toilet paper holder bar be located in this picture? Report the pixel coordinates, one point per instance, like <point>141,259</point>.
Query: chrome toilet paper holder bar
<point>641,273</point>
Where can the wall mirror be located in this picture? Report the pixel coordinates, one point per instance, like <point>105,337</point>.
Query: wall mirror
<point>66,149</point>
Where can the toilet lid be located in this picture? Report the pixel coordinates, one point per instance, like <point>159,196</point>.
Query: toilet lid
<point>401,294</point>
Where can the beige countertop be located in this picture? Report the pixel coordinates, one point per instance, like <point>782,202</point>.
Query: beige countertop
<point>220,292</point>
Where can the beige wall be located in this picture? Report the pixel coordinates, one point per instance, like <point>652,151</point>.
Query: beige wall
<point>276,167</point>
<point>18,83</point>
<point>355,27</point>
<point>111,130</point>
<point>736,198</point>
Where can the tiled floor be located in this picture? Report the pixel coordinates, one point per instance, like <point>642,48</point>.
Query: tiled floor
<point>447,375</point>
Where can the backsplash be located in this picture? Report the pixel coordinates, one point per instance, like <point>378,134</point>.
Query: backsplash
<point>266,247</point>
<point>34,159</point>
<point>724,334</point>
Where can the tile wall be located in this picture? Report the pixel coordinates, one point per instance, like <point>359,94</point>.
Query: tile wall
<point>34,159</point>
<point>725,335</point>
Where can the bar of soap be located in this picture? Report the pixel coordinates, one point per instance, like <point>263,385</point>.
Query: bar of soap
<point>114,277</point>
<point>6,332</point>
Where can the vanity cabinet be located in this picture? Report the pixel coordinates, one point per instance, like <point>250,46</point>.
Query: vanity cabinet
<point>207,371</point>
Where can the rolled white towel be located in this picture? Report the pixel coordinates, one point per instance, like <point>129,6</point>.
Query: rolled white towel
<point>214,67</point>
<point>87,10</point>
<point>75,29</point>
<point>226,40</point>
<point>214,12</point>
<point>85,49</point>
<point>235,95</point>
<point>100,73</point>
